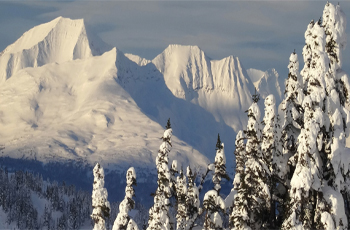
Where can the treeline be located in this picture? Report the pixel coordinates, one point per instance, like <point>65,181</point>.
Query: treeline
<point>21,196</point>
<point>30,202</point>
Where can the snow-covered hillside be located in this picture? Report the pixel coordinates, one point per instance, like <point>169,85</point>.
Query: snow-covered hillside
<point>268,82</point>
<point>61,99</point>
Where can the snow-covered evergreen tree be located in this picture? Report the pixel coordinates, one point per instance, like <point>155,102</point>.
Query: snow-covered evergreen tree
<point>337,88</point>
<point>268,133</point>
<point>239,194</point>
<point>181,192</point>
<point>173,199</point>
<point>239,172</point>
<point>307,207</point>
<point>100,204</point>
<point>213,205</point>
<point>286,133</point>
<point>256,178</point>
<point>220,165</point>
<point>192,200</point>
<point>173,171</point>
<point>307,55</point>
<point>240,159</point>
<point>280,180</point>
<point>239,218</point>
<point>123,218</point>
<point>334,23</point>
<point>293,117</point>
<point>272,154</point>
<point>159,212</point>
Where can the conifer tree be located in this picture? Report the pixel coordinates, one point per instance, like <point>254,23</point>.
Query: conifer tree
<point>218,143</point>
<point>279,178</point>
<point>168,125</point>
<point>268,133</point>
<point>123,218</point>
<point>256,174</point>
<point>307,55</point>
<point>239,193</point>
<point>181,191</point>
<point>240,159</point>
<point>173,172</point>
<point>307,207</point>
<point>173,175</point>
<point>159,212</point>
<point>269,147</point>
<point>100,204</point>
<point>173,199</point>
<point>192,200</point>
<point>220,165</point>
<point>337,88</point>
<point>286,134</point>
<point>293,117</point>
<point>213,203</point>
<point>239,172</point>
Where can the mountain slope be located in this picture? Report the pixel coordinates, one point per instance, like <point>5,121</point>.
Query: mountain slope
<point>219,86</point>
<point>59,40</point>
<point>77,111</point>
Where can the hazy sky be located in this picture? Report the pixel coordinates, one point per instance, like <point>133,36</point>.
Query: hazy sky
<point>261,33</point>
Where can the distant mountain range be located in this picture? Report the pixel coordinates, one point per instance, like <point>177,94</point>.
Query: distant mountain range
<point>66,95</point>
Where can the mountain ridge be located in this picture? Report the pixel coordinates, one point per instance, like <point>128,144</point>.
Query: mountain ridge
<point>99,121</point>
<point>92,105</point>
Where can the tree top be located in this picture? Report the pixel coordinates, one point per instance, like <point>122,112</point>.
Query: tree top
<point>218,143</point>
<point>256,97</point>
<point>168,125</point>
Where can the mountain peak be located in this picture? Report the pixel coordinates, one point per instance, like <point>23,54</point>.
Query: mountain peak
<point>60,40</point>
<point>267,82</point>
<point>179,46</point>
<point>185,51</point>
<point>38,33</point>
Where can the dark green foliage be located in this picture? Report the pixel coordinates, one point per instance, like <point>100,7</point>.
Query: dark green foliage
<point>168,125</point>
<point>218,143</point>
<point>256,97</point>
<point>192,210</point>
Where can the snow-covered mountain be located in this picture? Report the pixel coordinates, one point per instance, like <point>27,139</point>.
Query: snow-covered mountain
<point>59,40</point>
<point>267,82</point>
<point>77,110</point>
<point>62,99</point>
<point>219,86</point>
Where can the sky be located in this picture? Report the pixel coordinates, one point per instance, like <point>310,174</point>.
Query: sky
<point>262,34</point>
